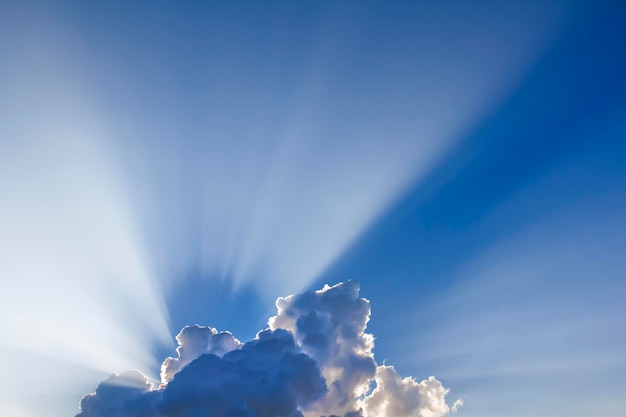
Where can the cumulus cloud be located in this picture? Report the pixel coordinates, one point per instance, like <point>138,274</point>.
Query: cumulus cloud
<point>121,395</point>
<point>405,397</point>
<point>194,341</point>
<point>314,359</point>
<point>329,325</point>
<point>268,377</point>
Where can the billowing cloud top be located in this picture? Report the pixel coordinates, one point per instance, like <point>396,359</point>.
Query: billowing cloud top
<point>315,359</point>
<point>194,341</point>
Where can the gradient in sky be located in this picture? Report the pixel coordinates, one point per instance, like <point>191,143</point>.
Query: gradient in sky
<point>166,164</point>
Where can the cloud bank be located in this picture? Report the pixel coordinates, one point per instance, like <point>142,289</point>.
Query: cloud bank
<point>314,360</point>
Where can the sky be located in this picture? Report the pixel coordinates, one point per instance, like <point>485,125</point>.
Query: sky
<point>166,164</point>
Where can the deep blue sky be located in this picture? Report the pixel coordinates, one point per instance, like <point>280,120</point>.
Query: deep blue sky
<point>165,164</point>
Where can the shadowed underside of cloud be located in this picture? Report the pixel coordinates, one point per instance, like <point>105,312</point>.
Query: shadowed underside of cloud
<point>313,360</point>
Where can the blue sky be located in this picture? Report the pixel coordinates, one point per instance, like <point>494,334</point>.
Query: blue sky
<point>166,164</point>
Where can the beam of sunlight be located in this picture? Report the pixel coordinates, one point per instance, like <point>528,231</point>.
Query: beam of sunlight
<point>331,174</point>
<point>75,287</point>
<point>285,185</point>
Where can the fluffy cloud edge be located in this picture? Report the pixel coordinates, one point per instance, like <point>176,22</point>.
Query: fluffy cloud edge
<point>314,359</point>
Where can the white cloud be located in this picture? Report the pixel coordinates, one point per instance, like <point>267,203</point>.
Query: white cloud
<point>315,359</point>
<point>405,397</point>
<point>194,341</point>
